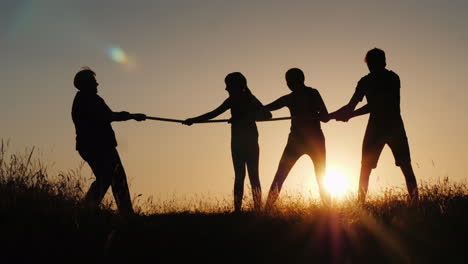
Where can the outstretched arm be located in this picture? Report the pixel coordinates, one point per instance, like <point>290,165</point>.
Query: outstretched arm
<point>361,111</point>
<point>355,99</point>
<point>275,105</point>
<point>124,116</point>
<point>105,110</point>
<point>262,113</point>
<point>346,109</point>
<point>342,114</point>
<point>219,110</point>
<point>346,112</point>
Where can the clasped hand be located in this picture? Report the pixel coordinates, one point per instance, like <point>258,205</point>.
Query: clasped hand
<point>188,122</point>
<point>343,114</point>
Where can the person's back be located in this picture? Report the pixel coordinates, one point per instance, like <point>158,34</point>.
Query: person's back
<point>241,107</point>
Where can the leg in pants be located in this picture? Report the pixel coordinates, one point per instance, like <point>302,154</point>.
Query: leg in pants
<point>108,170</point>
<point>120,186</point>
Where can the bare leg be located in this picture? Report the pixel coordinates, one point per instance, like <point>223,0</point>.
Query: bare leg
<point>320,175</point>
<point>318,155</point>
<point>239,171</point>
<point>286,163</point>
<point>364,182</point>
<point>400,148</point>
<point>252,167</point>
<point>411,183</point>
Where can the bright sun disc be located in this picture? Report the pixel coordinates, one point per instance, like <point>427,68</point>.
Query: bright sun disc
<point>336,183</point>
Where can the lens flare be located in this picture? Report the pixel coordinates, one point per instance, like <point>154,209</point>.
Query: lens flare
<point>336,183</point>
<point>118,55</point>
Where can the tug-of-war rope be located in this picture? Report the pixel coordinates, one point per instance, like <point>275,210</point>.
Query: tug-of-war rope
<point>211,121</point>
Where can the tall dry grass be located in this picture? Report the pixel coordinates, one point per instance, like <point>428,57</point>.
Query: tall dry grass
<point>39,211</point>
<point>26,182</point>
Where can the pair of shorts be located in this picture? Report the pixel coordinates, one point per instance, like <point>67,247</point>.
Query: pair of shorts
<point>377,137</point>
<point>314,146</point>
<point>245,148</point>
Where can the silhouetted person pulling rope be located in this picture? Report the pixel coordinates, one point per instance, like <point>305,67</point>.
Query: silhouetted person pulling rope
<point>96,143</point>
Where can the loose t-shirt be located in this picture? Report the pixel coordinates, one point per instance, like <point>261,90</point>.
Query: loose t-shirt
<point>92,118</point>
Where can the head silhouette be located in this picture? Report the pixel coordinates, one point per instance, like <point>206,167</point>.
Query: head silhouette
<point>236,83</point>
<point>85,81</point>
<point>295,79</point>
<point>375,59</point>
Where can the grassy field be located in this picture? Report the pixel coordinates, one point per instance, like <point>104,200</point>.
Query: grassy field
<point>41,219</point>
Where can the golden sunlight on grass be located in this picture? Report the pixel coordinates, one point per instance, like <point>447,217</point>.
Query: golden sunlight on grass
<point>337,183</point>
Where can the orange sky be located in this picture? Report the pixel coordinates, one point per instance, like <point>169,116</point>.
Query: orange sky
<point>175,55</point>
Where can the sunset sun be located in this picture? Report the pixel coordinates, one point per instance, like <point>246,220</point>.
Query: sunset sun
<point>337,183</point>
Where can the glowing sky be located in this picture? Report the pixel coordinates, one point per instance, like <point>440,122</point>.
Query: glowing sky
<point>169,59</point>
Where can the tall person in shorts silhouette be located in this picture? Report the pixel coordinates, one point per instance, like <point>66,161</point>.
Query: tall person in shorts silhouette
<point>381,87</point>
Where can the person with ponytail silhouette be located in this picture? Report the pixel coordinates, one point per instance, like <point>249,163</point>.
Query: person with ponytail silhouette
<point>244,135</point>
